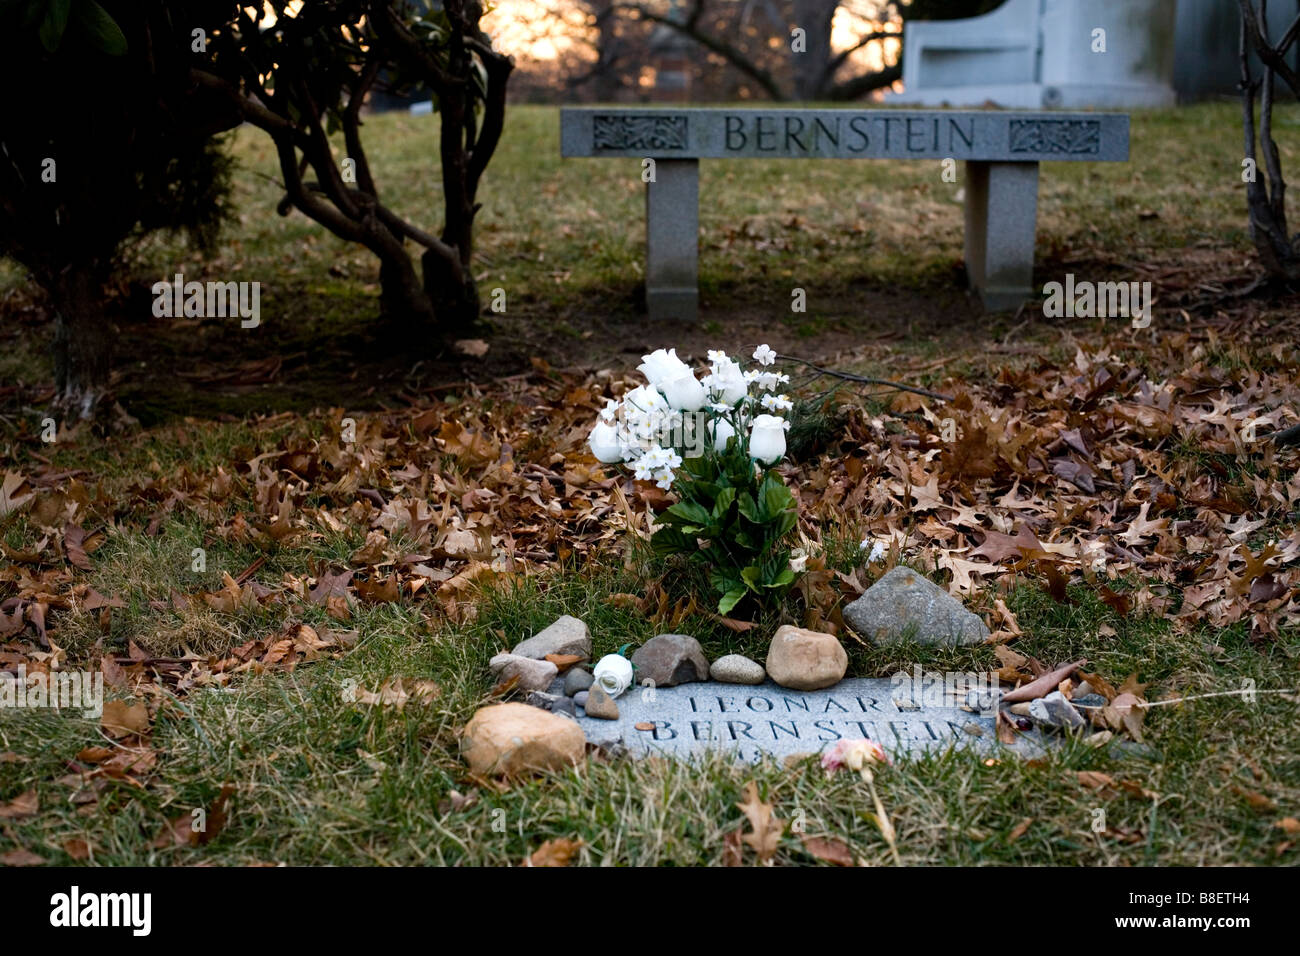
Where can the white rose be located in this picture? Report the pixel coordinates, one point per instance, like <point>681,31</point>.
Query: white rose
<point>605,444</point>
<point>767,439</point>
<point>684,392</point>
<point>662,366</point>
<point>613,673</point>
<point>722,430</point>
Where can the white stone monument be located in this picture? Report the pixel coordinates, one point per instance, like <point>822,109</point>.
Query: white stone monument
<point>1035,54</point>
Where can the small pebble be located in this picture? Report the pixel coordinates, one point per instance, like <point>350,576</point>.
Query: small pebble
<point>577,679</point>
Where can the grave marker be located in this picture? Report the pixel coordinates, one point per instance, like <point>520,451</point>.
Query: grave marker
<point>766,719</point>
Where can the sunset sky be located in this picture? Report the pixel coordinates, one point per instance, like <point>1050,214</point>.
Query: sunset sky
<point>545,29</point>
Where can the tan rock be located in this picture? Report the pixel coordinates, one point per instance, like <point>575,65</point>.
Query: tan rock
<point>514,739</point>
<point>532,674</point>
<point>600,704</point>
<point>805,660</point>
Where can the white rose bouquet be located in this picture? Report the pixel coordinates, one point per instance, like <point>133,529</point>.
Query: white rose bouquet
<point>715,441</point>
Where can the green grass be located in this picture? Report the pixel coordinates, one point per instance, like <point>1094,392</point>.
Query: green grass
<point>321,780</point>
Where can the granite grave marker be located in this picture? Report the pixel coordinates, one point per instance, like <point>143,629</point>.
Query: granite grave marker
<point>770,720</point>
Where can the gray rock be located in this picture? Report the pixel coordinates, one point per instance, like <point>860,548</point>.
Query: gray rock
<point>905,604</point>
<point>670,659</point>
<point>737,669</point>
<point>580,698</point>
<point>600,704</point>
<point>542,699</point>
<point>565,706</point>
<point>1055,711</point>
<point>568,635</point>
<point>577,679</point>
<point>532,674</point>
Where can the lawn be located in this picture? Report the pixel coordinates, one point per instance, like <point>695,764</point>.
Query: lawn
<point>242,455</point>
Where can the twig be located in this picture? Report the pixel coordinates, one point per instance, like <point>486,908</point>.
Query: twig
<point>864,380</point>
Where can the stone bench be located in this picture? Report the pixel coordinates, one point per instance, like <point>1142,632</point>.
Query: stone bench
<point>1001,152</point>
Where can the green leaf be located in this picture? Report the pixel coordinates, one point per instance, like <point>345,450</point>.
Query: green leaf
<point>776,496</point>
<point>101,29</point>
<point>671,541</point>
<point>784,579</point>
<point>751,576</point>
<point>690,511</point>
<point>745,501</point>
<point>730,600</point>
<point>723,502</point>
<point>55,22</point>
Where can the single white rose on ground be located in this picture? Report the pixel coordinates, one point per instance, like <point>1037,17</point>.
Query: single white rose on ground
<point>613,673</point>
<point>660,367</point>
<point>605,444</point>
<point>767,439</point>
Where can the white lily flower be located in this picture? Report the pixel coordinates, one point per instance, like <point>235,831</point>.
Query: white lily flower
<point>764,355</point>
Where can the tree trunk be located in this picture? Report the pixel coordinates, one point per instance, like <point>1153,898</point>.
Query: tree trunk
<point>401,296</point>
<point>82,346</point>
<point>451,287</point>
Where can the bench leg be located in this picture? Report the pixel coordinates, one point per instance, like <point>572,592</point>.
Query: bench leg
<point>672,234</point>
<point>1001,216</point>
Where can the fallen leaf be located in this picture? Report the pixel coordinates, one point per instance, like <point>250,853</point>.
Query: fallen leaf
<point>1095,779</point>
<point>828,850</point>
<point>766,829</point>
<point>1256,800</point>
<point>21,858</point>
<point>24,805</point>
<point>732,852</point>
<point>1042,686</point>
<point>1019,829</point>
<point>121,719</point>
<point>554,852</point>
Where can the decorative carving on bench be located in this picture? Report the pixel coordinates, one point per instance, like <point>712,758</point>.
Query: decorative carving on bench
<point>1073,137</point>
<point>639,132</point>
